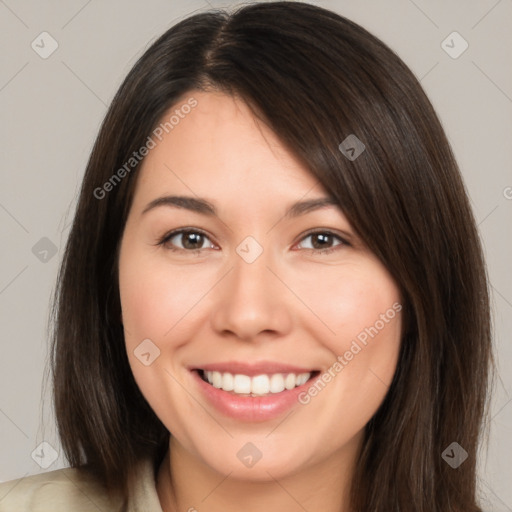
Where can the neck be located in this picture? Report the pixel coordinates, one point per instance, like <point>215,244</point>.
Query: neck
<point>185,483</point>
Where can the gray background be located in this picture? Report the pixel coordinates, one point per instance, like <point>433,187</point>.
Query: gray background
<point>51,110</point>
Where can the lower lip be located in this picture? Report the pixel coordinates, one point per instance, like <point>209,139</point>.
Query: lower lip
<point>249,408</point>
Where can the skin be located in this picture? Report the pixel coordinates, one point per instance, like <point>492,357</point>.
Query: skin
<point>292,304</point>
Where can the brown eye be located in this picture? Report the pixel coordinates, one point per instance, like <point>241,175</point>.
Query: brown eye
<point>322,241</point>
<point>185,240</point>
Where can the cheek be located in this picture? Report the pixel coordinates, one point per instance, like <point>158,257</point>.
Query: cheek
<point>349,300</point>
<point>361,305</point>
<point>154,300</point>
<point>361,308</point>
<point>157,305</point>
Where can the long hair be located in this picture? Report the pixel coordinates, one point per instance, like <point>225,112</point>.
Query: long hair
<point>315,78</point>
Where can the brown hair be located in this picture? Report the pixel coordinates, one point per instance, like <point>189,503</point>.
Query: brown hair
<point>315,78</point>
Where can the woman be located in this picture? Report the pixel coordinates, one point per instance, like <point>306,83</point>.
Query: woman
<point>273,293</point>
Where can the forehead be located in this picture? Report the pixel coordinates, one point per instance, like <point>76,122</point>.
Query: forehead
<point>220,149</point>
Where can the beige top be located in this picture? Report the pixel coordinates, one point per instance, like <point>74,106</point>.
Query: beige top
<point>72,490</point>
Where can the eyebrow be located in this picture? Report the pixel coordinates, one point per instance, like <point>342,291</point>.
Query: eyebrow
<point>204,207</point>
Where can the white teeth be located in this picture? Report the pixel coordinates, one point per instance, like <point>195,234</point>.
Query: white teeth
<point>217,379</point>
<point>258,385</point>
<point>228,382</point>
<point>276,383</point>
<point>289,382</point>
<point>242,384</point>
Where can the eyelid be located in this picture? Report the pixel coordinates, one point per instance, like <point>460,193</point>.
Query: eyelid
<point>313,231</point>
<point>171,234</point>
<point>325,231</point>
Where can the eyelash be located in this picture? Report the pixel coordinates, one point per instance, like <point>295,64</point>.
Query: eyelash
<point>167,237</point>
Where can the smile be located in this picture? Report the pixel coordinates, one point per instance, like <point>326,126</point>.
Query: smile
<point>258,385</point>
<point>252,392</point>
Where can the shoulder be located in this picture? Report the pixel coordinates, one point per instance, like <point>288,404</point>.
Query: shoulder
<point>62,490</point>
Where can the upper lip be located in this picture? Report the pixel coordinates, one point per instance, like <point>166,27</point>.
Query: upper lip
<point>252,369</point>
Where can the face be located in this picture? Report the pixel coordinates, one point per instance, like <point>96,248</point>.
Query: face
<point>256,328</point>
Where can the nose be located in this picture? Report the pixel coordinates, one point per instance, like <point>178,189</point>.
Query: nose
<point>252,303</point>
